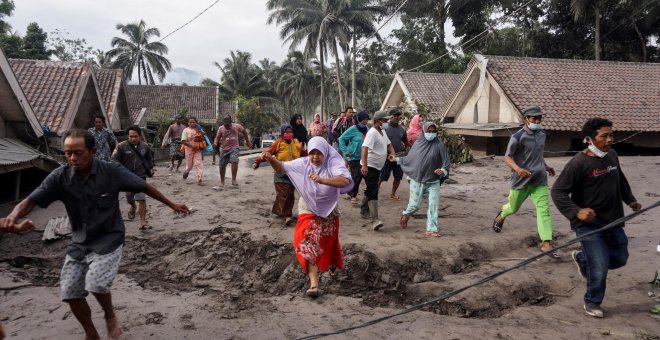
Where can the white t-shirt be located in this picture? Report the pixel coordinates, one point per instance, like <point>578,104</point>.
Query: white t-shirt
<point>377,143</point>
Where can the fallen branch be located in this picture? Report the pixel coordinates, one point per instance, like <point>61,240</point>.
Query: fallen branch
<point>17,286</point>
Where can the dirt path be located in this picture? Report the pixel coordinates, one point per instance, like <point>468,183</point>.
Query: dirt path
<point>228,270</point>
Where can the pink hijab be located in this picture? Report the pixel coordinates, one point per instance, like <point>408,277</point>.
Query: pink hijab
<point>321,199</point>
<point>414,129</point>
<point>317,129</point>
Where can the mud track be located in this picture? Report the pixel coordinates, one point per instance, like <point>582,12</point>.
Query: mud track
<point>242,273</point>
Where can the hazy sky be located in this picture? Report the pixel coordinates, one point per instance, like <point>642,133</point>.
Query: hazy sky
<point>229,25</point>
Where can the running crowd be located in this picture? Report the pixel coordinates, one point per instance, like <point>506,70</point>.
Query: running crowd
<point>323,163</point>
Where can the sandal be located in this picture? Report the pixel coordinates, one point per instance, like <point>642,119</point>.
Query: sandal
<point>403,221</point>
<point>332,270</point>
<point>145,227</point>
<point>131,214</point>
<point>497,225</point>
<point>185,174</point>
<point>313,292</point>
<point>395,197</point>
<point>432,234</point>
<point>554,255</point>
<point>354,201</point>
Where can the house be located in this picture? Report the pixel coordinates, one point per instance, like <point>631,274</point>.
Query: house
<point>411,89</point>
<point>156,105</point>
<point>112,86</point>
<point>63,95</point>
<point>22,166</point>
<point>486,108</point>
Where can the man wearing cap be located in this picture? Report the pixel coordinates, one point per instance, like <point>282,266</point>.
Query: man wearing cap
<point>376,149</point>
<point>397,136</point>
<point>227,138</point>
<point>524,155</point>
<point>173,139</point>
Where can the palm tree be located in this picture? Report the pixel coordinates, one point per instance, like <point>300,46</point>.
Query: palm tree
<point>139,51</point>
<point>241,77</point>
<point>296,83</point>
<point>579,9</point>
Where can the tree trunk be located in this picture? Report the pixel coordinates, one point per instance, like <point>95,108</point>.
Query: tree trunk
<point>597,42</point>
<point>339,90</point>
<point>641,39</point>
<point>322,80</point>
<point>139,75</point>
<point>353,82</point>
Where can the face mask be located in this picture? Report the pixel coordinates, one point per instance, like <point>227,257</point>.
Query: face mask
<point>288,136</point>
<point>360,125</point>
<point>430,136</point>
<point>534,127</point>
<point>597,151</point>
<point>385,125</point>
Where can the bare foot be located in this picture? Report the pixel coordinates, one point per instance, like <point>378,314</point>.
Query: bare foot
<point>114,329</point>
<point>234,183</point>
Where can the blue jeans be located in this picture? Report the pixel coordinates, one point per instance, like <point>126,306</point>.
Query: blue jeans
<point>600,253</point>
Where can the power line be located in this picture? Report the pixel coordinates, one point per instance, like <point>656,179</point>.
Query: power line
<point>403,3</point>
<point>191,20</point>
<point>523,263</point>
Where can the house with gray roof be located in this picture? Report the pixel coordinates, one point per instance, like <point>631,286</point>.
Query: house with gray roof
<point>157,104</point>
<point>410,89</point>
<point>22,165</point>
<point>63,95</point>
<point>487,106</point>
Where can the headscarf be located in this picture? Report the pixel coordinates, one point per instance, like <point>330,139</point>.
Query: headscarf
<point>414,130</point>
<point>299,131</point>
<point>317,129</point>
<point>360,117</point>
<point>321,199</point>
<point>425,157</point>
<point>283,128</point>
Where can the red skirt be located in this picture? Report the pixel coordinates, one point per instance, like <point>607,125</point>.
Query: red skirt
<point>316,240</point>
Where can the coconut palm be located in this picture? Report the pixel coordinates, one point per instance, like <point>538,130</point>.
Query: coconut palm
<point>139,51</point>
<point>297,82</point>
<point>240,77</point>
<point>579,9</point>
<point>323,25</point>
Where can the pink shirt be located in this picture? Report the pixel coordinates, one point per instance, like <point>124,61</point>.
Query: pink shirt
<point>228,138</point>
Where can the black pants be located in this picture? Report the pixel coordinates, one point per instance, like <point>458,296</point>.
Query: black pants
<point>371,180</point>
<point>356,175</point>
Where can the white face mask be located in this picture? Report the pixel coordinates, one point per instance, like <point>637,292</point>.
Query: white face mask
<point>430,135</point>
<point>595,150</point>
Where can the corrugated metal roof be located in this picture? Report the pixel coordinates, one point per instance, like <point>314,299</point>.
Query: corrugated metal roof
<point>13,151</point>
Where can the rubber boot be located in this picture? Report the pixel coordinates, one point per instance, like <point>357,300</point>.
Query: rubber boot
<point>364,209</point>
<point>373,211</point>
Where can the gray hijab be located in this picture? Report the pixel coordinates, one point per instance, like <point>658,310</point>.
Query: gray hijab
<point>425,157</point>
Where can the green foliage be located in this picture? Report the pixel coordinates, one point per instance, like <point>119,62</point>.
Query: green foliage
<point>251,116</point>
<point>12,45</point>
<point>34,43</point>
<point>139,52</point>
<point>208,82</point>
<point>240,77</point>
<point>66,48</point>
<point>6,9</point>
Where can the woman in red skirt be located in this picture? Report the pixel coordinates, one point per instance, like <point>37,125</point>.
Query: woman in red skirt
<point>320,179</point>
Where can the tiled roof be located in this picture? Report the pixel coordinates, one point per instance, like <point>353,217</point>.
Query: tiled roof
<point>109,81</point>
<point>570,91</point>
<point>166,100</point>
<point>52,87</point>
<point>432,89</point>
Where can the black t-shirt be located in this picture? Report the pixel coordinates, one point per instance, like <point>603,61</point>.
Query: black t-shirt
<point>591,182</point>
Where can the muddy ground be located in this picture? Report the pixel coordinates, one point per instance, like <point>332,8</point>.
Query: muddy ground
<point>228,270</point>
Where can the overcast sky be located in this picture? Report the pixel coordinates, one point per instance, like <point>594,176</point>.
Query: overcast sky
<point>229,25</point>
